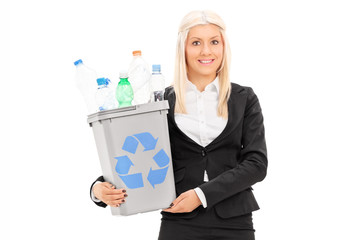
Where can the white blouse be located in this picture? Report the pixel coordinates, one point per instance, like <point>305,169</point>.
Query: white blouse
<point>201,122</point>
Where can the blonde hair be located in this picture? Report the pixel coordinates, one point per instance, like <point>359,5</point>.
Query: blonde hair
<point>193,19</point>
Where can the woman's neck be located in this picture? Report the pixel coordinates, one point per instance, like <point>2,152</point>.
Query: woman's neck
<point>201,81</point>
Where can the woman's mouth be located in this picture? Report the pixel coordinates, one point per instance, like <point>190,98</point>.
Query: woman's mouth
<point>206,61</point>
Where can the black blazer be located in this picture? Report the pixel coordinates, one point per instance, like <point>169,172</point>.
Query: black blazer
<point>234,161</point>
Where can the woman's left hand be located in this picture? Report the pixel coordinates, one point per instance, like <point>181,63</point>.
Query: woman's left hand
<point>186,202</point>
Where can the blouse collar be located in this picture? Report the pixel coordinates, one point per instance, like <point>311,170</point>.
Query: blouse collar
<point>213,86</point>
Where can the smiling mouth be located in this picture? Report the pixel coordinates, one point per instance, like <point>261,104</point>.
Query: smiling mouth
<point>206,61</point>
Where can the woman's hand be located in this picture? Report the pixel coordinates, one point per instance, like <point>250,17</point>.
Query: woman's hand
<point>107,193</point>
<point>186,202</point>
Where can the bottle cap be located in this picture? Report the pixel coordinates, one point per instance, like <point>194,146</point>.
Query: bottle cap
<point>123,74</point>
<point>78,62</point>
<point>102,81</point>
<point>156,68</point>
<point>136,53</point>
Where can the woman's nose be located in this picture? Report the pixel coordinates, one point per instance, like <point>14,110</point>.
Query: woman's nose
<point>205,49</point>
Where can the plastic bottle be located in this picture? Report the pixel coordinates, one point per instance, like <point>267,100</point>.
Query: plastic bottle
<point>124,91</point>
<point>139,77</point>
<point>157,84</point>
<point>105,96</point>
<point>85,78</point>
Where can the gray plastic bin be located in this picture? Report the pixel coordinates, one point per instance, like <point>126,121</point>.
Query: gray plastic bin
<point>134,150</point>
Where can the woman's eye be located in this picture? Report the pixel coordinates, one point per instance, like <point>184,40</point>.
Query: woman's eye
<point>196,43</point>
<point>215,42</point>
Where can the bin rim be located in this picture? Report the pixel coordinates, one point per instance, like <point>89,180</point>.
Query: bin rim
<point>127,111</point>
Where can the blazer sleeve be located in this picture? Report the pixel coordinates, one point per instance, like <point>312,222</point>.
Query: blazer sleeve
<point>100,204</point>
<point>252,164</point>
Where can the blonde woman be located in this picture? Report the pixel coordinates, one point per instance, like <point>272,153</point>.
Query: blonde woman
<point>217,140</point>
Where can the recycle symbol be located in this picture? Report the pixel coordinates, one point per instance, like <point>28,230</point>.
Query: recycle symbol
<point>124,163</point>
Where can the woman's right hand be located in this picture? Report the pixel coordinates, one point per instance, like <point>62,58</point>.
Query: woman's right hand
<point>107,193</point>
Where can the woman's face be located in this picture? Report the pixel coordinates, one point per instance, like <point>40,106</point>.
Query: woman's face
<point>204,51</point>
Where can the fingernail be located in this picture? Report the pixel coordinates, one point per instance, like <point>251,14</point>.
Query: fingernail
<point>171,204</point>
<point>125,195</point>
<point>124,190</point>
<point>117,205</point>
<point>123,200</point>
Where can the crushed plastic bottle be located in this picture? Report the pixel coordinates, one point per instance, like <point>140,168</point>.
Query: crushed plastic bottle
<point>105,96</point>
<point>85,78</point>
<point>139,77</point>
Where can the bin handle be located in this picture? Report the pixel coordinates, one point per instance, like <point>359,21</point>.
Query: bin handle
<point>129,108</point>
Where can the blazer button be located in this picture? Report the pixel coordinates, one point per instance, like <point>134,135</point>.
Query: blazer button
<point>203,153</point>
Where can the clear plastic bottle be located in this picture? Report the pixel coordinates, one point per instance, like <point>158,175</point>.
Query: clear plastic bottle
<point>157,84</point>
<point>124,91</point>
<point>105,96</point>
<point>139,77</point>
<point>85,78</point>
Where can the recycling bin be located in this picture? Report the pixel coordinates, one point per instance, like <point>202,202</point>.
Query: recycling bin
<point>134,150</point>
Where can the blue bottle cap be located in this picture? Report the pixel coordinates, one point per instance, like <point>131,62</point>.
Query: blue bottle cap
<point>102,81</point>
<point>156,68</point>
<point>78,62</point>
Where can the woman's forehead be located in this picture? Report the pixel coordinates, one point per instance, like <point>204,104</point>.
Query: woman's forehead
<point>204,31</point>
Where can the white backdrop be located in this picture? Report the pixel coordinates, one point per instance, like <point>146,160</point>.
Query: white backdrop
<point>300,57</point>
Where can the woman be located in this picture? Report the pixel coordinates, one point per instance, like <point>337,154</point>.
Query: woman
<point>217,140</point>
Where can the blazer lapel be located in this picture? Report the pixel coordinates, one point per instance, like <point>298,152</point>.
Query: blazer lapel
<point>236,106</point>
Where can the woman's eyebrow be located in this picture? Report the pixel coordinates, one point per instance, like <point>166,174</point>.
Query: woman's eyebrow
<point>195,38</point>
<point>215,36</point>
